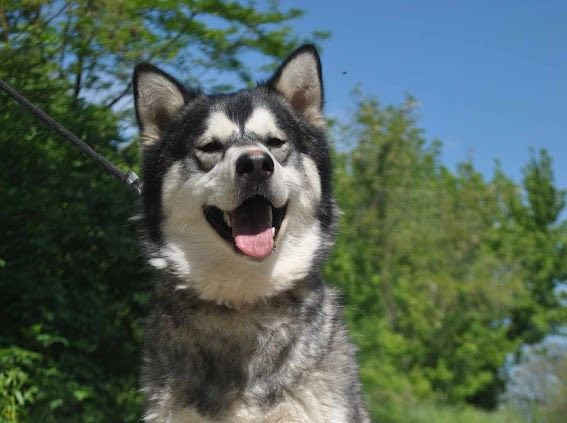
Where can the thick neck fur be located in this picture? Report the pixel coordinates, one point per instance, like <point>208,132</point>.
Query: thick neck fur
<point>218,356</point>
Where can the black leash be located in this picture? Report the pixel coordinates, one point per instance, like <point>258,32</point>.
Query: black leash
<point>130,178</point>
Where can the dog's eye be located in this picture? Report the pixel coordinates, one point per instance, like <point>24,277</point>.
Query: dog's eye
<point>211,147</point>
<point>274,142</point>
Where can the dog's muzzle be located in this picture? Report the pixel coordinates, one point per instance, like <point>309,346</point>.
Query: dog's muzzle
<point>253,226</point>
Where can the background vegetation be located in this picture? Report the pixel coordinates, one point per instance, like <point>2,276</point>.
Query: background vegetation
<point>448,276</point>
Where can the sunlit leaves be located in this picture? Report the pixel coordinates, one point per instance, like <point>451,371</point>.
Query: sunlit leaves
<point>445,271</point>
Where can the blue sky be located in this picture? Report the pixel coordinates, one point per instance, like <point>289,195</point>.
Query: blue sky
<point>491,76</point>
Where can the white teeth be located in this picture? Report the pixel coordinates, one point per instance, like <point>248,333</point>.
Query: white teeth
<point>270,214</point>
<point>273,231</point>
<point>226,217</point>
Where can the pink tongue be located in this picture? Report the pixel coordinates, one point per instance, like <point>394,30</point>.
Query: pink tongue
<point>259,245</point>
<point>252,228</point>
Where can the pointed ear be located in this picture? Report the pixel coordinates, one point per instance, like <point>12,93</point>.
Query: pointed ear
<point>157,99</point>
<point>300,82</point>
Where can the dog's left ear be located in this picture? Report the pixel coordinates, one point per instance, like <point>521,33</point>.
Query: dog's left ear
<point>300,82</point>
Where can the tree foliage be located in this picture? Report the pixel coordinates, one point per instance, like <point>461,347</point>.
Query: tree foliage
<point>446,273</point>
<point>95,44</point>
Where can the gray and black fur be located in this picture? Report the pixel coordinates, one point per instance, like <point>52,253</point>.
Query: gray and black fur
<point>242,327</point>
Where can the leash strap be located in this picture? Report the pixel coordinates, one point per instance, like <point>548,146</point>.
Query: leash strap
<point>131,179</point>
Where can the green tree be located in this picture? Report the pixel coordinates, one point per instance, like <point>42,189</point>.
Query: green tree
<point>72,278</point>
<point>539,239</point>
<point>435,263</point>
<point>73,283</point>
<point>96,43</point>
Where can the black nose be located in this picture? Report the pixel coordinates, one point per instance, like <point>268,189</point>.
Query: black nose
<point>256,166</point>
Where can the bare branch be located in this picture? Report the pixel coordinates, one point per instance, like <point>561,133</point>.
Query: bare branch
<point>119,96</point>
<point>78,78</point>
<point>57,14</point>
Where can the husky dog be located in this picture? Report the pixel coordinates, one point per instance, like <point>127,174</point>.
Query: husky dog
<point>238,217</point>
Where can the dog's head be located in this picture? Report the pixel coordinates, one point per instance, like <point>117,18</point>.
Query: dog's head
<point>237,197</point>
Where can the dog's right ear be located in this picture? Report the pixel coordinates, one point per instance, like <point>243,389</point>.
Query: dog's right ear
<point>158,97</point>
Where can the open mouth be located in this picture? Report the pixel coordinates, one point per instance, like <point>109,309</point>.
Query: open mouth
<point>251,228</point>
